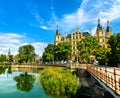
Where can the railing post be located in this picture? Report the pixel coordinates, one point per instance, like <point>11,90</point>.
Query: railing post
<point>115,81</point>
<point>119,84</point>
<point>106,75</point>
<point>101,73</point>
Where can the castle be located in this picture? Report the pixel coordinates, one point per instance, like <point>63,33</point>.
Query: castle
<point>74,37</point>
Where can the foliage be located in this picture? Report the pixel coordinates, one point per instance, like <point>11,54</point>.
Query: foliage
<point>24,82</point>
<point>63,51</point>
<point>3,58</point>
<point>10,58</point>
<point>87,47</point>
<point>114,56</point>
<point>102,55</point>
<point>26,53</point>
<point>59,81</point>
<point>48,55</point>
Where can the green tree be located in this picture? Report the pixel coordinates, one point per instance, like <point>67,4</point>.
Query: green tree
<point>102,55</point>
<point>114,56</point>
<point>87,47</point>
<point>10,58</point>
<point>48,54</point>
<point>26,53</point>
<point>63,51</point>
<point>3,58</point>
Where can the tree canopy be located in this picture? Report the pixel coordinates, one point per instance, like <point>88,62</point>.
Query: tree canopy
<point>114,56</point>
<point>26,53</point>
<point>48,54</point>
<point>62,51</point>
<point>87,47</point>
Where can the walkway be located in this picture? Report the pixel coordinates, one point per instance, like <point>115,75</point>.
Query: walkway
<point>90,88</point>
<point>109,77</point>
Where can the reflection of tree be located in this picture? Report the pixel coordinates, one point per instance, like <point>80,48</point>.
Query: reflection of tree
<point>5,70</point>
<point>24,82</point>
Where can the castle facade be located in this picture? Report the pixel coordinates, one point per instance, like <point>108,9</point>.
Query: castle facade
<point>102,36</point>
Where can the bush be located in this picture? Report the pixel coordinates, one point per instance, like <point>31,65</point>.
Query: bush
<point>59,81</point>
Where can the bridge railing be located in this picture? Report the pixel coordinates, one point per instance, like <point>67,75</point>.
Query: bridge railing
<point>110,76</point>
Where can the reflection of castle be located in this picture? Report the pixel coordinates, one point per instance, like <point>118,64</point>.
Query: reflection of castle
<point>77,35</point>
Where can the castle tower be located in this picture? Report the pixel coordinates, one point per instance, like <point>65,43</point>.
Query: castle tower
<point>108,33</point>
<point>58,36</point>
<point>100,34</point>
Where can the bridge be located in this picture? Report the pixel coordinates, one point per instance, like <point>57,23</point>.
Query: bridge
<point>107,77</point>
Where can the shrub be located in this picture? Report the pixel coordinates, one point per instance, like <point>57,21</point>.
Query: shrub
<point>58,81</point>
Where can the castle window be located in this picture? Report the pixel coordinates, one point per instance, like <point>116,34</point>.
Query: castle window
<point>73,42</point>
<point>73,37</point>
<point>100,40</point>
<point>76,37</point>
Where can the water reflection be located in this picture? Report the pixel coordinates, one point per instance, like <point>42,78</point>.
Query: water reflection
<point>24,82</point>
<point>5,70</point>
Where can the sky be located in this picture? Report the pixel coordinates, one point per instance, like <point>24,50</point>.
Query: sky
<point>34,21</point>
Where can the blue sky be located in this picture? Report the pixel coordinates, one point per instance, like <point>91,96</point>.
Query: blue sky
<point>34,21</point>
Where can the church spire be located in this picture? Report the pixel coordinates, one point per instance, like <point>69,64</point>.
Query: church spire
<point>108,23</point>
<point>99,27</point>
<point>108,26</point>
<point>98,21</point>
<point>9,53</point>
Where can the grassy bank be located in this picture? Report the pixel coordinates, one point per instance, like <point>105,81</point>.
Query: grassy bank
<point>58,81</point>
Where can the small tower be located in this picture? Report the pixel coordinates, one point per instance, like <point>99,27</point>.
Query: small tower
<point>108,33</point>
<point>58,36</point>
<point>100,33</point>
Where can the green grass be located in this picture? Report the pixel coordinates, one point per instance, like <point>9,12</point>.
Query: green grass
<point>58,81</point>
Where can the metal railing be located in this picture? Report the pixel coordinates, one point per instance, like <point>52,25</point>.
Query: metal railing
<point>110,76</point>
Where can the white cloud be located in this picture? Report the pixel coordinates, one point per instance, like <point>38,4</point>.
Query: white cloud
<point>87,14</point>
<point>43,27</point>
<point>10,40</point>
<point>39,47</point>
<point>14,41</point>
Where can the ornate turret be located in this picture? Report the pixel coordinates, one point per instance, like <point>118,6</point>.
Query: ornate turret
<point>99,27</point>
<point>76,30</point>
<point>108,33</point>
<point>108,26</point>
<point>57,30</point>
<point>100,33</point>
<point>58,37</point>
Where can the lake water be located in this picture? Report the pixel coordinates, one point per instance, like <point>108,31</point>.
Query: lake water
<point>18,84</point>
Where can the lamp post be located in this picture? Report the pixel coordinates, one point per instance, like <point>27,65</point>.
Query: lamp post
<point>77,57</point>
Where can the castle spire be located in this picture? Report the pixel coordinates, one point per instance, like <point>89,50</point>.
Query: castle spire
<point>98,21</point>
<point>57,31</point>
<point>108,26</point>
<point>99,27</point>
<point>108,23</point>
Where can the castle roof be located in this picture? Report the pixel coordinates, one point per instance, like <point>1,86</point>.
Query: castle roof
<point>68,36</point>
<point>86,34</point>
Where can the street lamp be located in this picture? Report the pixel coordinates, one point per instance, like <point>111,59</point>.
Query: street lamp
<point>77,56</point>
